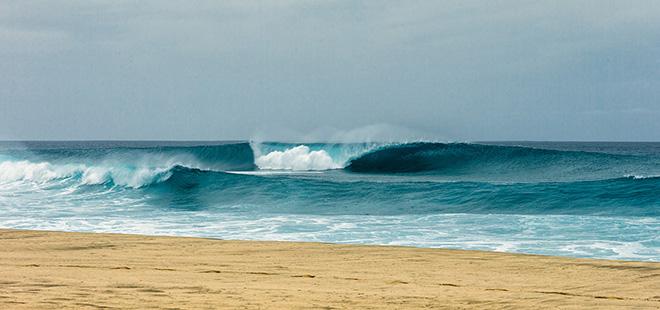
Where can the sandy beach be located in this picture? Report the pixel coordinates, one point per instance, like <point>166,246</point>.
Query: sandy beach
<point>87,270</point>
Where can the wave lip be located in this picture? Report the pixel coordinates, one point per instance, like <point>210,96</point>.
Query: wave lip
<point>410,157</point>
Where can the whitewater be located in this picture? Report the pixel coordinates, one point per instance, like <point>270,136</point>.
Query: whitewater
<point>599,200</point>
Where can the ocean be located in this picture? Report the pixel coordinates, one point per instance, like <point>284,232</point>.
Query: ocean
<point>578,199</point>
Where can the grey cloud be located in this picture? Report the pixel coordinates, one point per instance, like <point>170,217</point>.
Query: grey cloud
<point>454,70</point>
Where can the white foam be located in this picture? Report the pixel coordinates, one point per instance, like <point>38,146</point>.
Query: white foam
<point>95,175</point>
<point>11,171</point>
<point>134,178</point>
<point>641,177</point>
<point>300,158</point>
<point>43,172</point>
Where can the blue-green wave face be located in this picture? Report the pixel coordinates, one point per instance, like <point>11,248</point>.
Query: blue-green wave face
<point>578,199</point>
<point>337,194</point>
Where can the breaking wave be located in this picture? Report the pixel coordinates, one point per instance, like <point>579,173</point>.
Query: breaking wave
<point>43,172</point>
<point>419,157</point>
<point>137,167</point>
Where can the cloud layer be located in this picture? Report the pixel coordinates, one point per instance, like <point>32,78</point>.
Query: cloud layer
<point>453,70</point>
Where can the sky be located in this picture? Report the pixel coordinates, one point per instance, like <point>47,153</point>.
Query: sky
<point>330,70</point>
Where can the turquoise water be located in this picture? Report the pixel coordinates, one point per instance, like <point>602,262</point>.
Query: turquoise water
<point>597,200</point>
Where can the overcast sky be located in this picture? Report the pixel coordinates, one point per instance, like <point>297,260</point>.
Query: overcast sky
<point>318,70</point>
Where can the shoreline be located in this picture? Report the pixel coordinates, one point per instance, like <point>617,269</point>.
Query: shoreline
<point>47,269</point>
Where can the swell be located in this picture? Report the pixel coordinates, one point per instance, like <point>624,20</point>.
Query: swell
<point>193,188</point>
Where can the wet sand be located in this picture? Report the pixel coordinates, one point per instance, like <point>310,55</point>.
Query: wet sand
<point>86,270</point>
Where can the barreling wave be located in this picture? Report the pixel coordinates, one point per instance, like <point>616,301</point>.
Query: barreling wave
<point>419,157</point>
<point>464,159</point>
<point>475,161</point>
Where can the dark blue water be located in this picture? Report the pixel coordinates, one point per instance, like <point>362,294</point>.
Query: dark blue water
<point>565,198</point>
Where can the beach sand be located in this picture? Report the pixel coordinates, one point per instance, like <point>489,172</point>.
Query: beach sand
<point>41,269</point>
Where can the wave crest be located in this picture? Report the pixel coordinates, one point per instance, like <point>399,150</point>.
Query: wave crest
<point>132,167</point>
<point>44,172</point>
<point>298,158</point>
<point>11,171</point>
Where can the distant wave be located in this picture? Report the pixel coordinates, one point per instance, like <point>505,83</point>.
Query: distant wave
<point>642,177</point>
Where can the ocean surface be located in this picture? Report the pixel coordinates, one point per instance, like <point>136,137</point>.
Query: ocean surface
<point>599,200</point>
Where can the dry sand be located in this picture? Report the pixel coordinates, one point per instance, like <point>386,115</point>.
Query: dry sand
<point>82,270</point>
